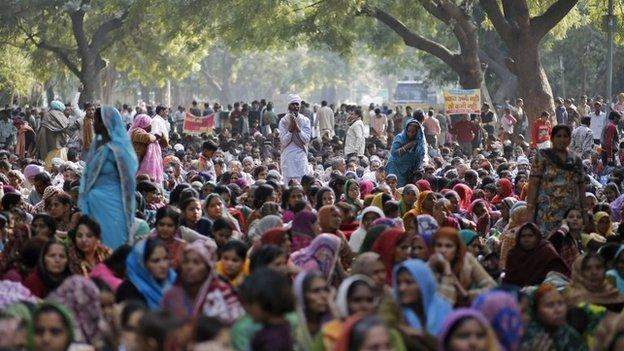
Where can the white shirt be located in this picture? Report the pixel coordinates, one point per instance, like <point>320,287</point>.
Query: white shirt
<point>160,126</point>
<point>325,118</point>
<point>294,159</point>
<point>597,123</point>
<point>355,141</point>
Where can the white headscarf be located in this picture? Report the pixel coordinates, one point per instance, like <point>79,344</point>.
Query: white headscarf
<point>294,98</point>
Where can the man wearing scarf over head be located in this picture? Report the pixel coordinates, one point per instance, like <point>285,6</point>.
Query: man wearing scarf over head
<point>53,133</point>
<point>295,134</point>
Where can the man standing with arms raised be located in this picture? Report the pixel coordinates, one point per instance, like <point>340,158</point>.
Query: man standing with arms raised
<point>295,134</point>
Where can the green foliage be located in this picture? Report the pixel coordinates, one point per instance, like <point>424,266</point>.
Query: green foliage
<point>16,73</point>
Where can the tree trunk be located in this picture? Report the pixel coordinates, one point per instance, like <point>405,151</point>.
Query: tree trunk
<point>533,85</point>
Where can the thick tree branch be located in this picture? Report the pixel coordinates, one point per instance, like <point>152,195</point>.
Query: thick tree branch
<point>499,21</point>
<point>99,37</point>
<point>62,54</point>
<point>77,19</point>
<point>411,38</point>
<point>543,23</point>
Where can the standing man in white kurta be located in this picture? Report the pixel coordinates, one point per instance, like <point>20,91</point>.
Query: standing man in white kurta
<point>295,134</point>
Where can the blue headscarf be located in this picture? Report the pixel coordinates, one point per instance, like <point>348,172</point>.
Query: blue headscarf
<point>57,105</point>
<point>125,157</point>
<point>503,312</point>
<point>435,307</point>
<point>404,165</point>
<point>614,273</point>
<point>143,280</point>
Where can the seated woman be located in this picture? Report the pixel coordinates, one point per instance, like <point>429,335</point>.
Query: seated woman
<point>568,239</point>
<point>61,208</point>
<point>50,312</point>
<point>330,219</point>
<point>470,278</point>
<point>192,216</point>
<point>548,324</point>
<point>233,265</point>
<point>351,194</point>
<point>86,250</point>
<point>590,285</point>
<point>289,200</point>
<point>304,228</point>
<point>603,226</point>
<point>312,306</point>
<point>167,225</point>
<point>423,310</point>
<point>356,295</point>
<point>392,246</point>
<point>199,291</point>
<point>365,332</point>
<point>532,258</point>
<point>149,274</point>
<point>43,226</point>
<point>52,270</point>
<point>320,255</point>
<point>467,322</point>
<point>369,214</point>
<point>496,306</point>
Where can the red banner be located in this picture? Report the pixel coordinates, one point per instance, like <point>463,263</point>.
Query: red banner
<point>198,125</point>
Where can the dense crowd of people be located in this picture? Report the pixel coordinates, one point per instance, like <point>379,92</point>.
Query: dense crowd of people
<point>316,228</point>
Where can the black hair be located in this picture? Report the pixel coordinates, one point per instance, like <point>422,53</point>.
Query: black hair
<point>130,307</point>
<point>158,325</point>
<point>270,290</point>
<point>10,200</point>
<point>209,145</point>
<point>48,307</point>
<point>221,223</point>
<point>146,187</point>
<point>168,211</point>
<point>174,196</point>
<point>390,207</point>
<point>207,328</point>
<point>264,256</point>
<point>261,194</point>
<point>319,196</point>
<point>187,193</point>
<point>116,262</point>
<point>93,226</point>
<point>559,127</point>
<point>589,256</point>
<point>239,248</point>
<point>357,335</point>
<point>43,177</point>
<point>286,195</point>
<point>150,245</point>
<point>47,220</point>
<point>160,108</point>
<point>186,202</point>
<point>31,251</point>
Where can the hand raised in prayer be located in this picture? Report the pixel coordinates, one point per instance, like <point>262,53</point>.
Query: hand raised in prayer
<point>439,264</point>
<point>410,145</point>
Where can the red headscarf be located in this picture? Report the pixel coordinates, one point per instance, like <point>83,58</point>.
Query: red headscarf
<point>366,187</point>
<point>507,191</point>
<point>385,247</point>
<point>423,185</point>
<point>274,236</point>
<point>453,235</point>
<point>465,196</point>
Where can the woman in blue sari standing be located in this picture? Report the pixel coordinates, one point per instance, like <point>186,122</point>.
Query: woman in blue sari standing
<point>407,153</point>
<point>108,182</point>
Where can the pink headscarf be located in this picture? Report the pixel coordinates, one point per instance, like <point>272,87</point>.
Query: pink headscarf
<point>141,121</point>
<point>366,187</point>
